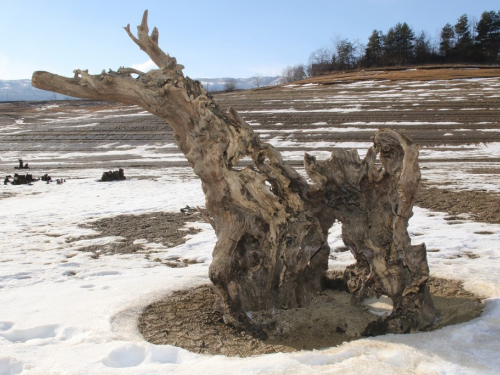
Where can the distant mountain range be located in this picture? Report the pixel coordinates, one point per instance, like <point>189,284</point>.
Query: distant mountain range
<point>21,89</point>
<point>218,84</point>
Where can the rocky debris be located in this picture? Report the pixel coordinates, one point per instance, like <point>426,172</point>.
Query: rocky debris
<point>188,210</point>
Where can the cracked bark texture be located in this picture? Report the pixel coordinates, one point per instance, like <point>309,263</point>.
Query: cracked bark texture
<point>271,225</point>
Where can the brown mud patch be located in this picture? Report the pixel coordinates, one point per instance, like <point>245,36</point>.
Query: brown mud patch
<point>189,319</point>
<point>481,205</point>
<point>166,228</point>
<point>5,195</point>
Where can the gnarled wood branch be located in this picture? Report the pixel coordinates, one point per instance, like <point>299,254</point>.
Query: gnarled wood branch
<point>149,44</point>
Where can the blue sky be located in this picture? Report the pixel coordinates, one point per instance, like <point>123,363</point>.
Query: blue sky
<point>216,38</point>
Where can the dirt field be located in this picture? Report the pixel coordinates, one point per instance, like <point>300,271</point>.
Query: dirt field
<point>166,228</point>
<point>450,117</point>
<point>436,113</point>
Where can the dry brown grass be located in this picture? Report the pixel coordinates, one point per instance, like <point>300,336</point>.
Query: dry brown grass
<point>403,74</point>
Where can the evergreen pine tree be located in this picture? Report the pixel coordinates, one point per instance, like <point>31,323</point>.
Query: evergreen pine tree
<point>447,41</point>
<point>375,49</point>
<point>463,44</point>
<point>488,36</point>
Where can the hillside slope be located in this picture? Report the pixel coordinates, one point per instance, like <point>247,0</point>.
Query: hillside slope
<point>422,73</point>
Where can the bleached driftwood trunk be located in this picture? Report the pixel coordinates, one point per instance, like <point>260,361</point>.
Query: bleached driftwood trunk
<point>271,225</point>
<point>374,206</point>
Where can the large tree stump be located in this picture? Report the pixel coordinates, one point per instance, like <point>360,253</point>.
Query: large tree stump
<point>271,225</point>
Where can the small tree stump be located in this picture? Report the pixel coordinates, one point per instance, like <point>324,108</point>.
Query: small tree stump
<point>22,165</point>
<point>113,175</point>
<point>20,179</point>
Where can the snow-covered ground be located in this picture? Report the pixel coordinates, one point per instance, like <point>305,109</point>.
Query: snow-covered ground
<point>63,312</point>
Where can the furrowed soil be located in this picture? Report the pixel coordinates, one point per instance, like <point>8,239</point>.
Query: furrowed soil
<point>443,110</point>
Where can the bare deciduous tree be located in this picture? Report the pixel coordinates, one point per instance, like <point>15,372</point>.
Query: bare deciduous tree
<point>294,73</point>
<point>321,55</point>
<point>230,84</point>
<point>271,224</point>
<point>257,80</point>
<point>347,54</point>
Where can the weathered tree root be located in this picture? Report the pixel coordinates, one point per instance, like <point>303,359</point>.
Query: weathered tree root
<point>271,225</point>
<point>374,206</point>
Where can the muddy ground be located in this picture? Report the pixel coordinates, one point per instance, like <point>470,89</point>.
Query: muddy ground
<point>166,228</point>
<point>478,205</point>
<point>189,319</point>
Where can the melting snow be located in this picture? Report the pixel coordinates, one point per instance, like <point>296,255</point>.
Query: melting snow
<point>64,312</point>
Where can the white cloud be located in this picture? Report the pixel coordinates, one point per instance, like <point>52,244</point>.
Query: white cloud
<point>145,66</point>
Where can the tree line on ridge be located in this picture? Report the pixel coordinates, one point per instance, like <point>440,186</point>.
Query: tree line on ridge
<point>468,41</point>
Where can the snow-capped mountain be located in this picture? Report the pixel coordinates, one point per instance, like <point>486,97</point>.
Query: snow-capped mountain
<point>219,84</point>
<point>21,90</point>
